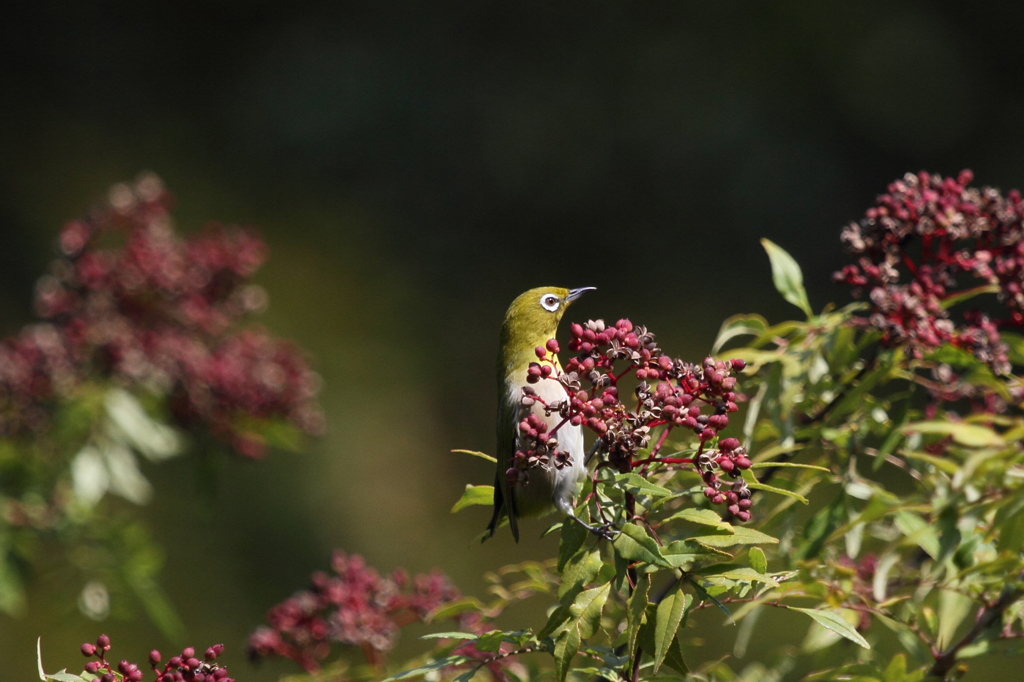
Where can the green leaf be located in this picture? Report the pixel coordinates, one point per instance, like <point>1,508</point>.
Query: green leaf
<point>635,544</point>
<point>669,615</point>
<point>953,609</point>
<point>583,569</point>
<point>967,294</point>
<point>580,571</point>
<point>566,646</point>
<point>745,575</point>
<point>449,635</point>
<point>790,465</point>
<point>638,485</point>
<point>1010,522</point>
<point>12,590</point>
<point>1015,344</point>
<point>490,641</point>
<point>454,608</point>
<point>635,610</point>
<point>705,595</point>
<point>481,455</point>
<point>738,325</point>
<point>830,620</point>
<point>587,609</point>
<point>738,536</point>
<point>970,435</point>
<point>429,667</point>
<point>674,658</point>
<point>64,676</point>
<point>896,671</point>
<point>787,276</point>
<point>574,537</point>
<point>685,553</point>
<point>918,531</point>
<point>758,561</point>
<point>855,672</point>
<point>704,517</point>
<point>777,491</point>
<point>474,495</point>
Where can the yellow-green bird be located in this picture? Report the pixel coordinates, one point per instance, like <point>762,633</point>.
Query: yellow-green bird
<point>531,321</point>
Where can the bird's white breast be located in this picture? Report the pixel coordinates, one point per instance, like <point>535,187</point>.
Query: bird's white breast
<point>553,487</point>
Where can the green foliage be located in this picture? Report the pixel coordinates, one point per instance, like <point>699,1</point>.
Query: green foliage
<point>889,518</point>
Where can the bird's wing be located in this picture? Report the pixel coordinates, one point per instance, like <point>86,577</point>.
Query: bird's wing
<point>508,428</point>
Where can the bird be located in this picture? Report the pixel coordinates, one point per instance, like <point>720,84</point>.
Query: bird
<point>531,321</point>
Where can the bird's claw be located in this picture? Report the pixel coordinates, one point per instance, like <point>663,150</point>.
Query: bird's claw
<point>606,531</point>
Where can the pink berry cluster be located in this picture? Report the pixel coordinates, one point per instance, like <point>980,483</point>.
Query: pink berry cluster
<point>183,668</point>
<point>668,394</point>
<point>130,301</point>
<point>926,242</point>
<point>353,606</point>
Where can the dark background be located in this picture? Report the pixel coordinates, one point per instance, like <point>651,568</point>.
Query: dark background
<point>413,167</point>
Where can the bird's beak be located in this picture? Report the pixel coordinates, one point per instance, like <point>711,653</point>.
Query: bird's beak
<point>576,293</point>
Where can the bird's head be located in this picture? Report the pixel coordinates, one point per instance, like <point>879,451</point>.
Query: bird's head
<point>534,315</point>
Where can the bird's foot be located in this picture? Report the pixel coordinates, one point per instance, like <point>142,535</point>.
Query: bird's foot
<point>606,531</point>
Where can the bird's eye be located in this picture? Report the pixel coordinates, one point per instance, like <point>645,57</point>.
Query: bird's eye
<point>549,302</point>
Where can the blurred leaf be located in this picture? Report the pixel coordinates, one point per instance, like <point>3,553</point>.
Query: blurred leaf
<point>149,437</point>
<point>1015,345</point>
<point>474,495</point>
<point>450,635</point>
<point>820,527</point>
<point>12,590</point>
<point>943,464</point>
<point>918,531</point>
<point>831,620</point>
<point>967,294</point>
<point>787,276</point>
<point>126,478</point>
<point>1010,522</point>
<point>89,477</point>
<point>953,609</point>
<point>438,664</point>
<point>856,672</point>
<point>791,465</point>
<point>971,435</point>
<point>481,455</point>
<point>454,608</point>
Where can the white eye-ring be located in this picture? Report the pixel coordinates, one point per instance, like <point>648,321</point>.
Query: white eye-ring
<point>550,302</point>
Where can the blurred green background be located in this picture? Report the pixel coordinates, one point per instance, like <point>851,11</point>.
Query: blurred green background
<point>413,167</point>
